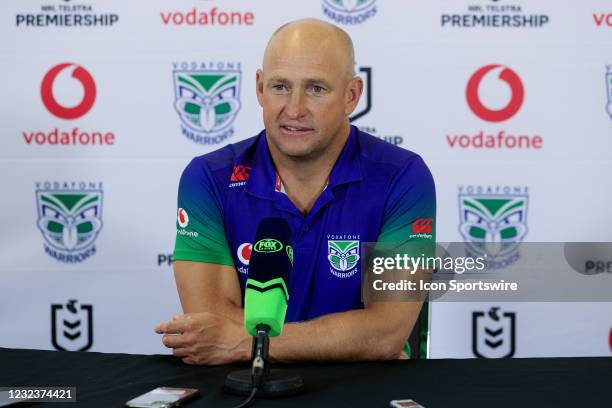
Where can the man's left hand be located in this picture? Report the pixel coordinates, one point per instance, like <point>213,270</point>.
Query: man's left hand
<point>205,338</point>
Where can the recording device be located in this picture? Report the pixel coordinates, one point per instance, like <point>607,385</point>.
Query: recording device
<point>265,304</point>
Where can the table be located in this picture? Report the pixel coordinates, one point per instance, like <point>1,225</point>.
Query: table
<point>108,380</point>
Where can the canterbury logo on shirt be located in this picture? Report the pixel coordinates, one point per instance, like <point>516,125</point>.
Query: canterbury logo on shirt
<point>422,226</point>
<point>240,175</point>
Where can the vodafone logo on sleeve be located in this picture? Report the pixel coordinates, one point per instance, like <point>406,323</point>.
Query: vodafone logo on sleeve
<point>495,115</point>
<point>182,218</point>
<point>244,252</point>
<point>481,85</point>
<point>63,112</point>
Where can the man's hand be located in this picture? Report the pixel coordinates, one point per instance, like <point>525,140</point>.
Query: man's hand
<point>205,338</point>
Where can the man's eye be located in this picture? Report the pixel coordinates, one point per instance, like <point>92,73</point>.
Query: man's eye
<point>279,87</point>
<point>317,89</point>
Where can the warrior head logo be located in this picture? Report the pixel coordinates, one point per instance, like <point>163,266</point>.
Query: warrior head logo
<point>207,101</point>
<point>350,6</point>
<point>343,255</point>
<point>494,224</point>
<point>70,221</point>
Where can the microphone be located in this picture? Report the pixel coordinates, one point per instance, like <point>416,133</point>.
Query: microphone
<point>270,266</point>
<point>265,305</point>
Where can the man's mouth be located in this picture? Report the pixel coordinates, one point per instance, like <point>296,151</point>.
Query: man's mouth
<point>295,130</point>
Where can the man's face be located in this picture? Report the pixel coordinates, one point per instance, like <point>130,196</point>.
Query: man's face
<point>306,95</point>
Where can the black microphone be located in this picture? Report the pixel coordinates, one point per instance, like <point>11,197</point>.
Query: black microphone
<point>265,305</point>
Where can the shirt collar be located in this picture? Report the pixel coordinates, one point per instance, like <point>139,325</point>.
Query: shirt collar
<point>262,180</point>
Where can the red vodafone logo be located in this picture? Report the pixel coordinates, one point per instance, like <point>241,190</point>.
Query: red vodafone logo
<point>491,115</point>
<point>80,74</point>
<point>244,252</point>
<point>182,218</point>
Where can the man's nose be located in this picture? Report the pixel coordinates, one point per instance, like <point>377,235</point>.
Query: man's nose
<point>296,106</point>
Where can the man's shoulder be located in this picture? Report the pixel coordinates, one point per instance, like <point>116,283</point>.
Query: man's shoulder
<point>378,155</point>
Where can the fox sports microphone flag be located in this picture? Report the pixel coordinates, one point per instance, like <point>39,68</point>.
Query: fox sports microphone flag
<point>266,294</point>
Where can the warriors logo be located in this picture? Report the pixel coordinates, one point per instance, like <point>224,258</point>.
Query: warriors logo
<point>70,219</point>
<point>349,12</point>
<point>207,103</point>
<point>343,256</point>
<point>493,224</point>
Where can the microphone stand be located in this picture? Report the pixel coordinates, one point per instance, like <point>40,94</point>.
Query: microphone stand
<point>259,380</point>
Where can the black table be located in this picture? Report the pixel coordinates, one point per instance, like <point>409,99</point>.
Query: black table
<point>108,380</point>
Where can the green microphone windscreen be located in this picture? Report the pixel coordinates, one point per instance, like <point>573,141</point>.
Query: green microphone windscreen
<point>267,286</point>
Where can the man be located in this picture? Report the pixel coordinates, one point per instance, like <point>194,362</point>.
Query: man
<point>336,186</point>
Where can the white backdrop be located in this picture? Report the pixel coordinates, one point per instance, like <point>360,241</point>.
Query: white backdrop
<point>421,55</point>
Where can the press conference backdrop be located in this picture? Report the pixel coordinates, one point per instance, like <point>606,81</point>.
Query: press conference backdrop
<point>508,100</point>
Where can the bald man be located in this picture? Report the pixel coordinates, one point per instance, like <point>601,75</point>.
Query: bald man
<point>336,186</point>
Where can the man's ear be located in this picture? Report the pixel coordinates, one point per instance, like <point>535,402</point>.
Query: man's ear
<point>353,93</point>
<point>259,86</point>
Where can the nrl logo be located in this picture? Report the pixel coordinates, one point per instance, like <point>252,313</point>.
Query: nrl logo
<point>70,220</point>
<point>207,103</point>
<point>493,224</point>
<point>493,333</point>
<point>343,256</point>
<point>365,102</point>
<point>72,326</point>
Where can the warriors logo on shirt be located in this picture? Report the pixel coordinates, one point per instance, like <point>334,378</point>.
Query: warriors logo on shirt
<point>207,102</point>
<point>343,256</point>
<point>69,218</point>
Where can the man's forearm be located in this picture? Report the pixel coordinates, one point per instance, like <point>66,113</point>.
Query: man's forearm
<point>365,334</point>
<point>375,333</point>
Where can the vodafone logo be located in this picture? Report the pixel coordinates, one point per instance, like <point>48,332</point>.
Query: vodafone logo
<point>244,252</point>
<point>491,115</point>
<point>89,96</point>
<point>182,218</point>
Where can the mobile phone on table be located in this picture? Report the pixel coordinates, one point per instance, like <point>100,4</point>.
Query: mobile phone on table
<point>163,397</point>
<point>405,403</point>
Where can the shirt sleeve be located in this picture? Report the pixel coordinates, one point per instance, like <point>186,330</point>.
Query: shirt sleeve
<point>410,210</point>
<point>200,232</point>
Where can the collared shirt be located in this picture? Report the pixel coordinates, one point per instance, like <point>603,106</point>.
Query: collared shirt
<point>376,192</point>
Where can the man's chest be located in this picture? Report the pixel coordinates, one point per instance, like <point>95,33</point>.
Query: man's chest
<point>326,274</point>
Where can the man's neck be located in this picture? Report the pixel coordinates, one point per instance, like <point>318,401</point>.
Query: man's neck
<point>305,179</point>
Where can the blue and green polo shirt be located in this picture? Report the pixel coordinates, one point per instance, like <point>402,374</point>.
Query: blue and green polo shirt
<point>377,192</point>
